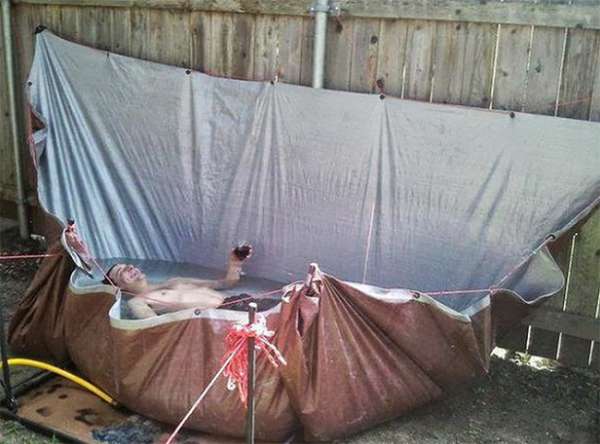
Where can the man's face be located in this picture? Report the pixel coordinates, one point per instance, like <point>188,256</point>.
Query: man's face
<point>127,277</point>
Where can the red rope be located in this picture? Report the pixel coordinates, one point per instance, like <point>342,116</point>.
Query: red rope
<point>453,292</point>
<point>235,362</point>
<point>203,395</point>
<point>25,256</point>
<point>237,369</point>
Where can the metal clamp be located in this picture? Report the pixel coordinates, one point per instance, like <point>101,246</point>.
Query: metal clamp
<point>330,8</point>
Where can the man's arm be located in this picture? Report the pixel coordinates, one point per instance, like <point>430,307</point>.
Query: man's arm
<point>234,271</point>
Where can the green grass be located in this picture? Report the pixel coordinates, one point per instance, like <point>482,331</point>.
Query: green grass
<point>11,432</point>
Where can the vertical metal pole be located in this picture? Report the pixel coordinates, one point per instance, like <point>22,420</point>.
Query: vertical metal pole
<point>321,10</point>
<point>250,424</point>
<point>14,127</point>
<point>11,403</point>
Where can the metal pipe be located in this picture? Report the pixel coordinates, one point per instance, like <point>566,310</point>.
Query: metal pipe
<point>321,11</point>
<point>14,126</point>
<point>250,418</point>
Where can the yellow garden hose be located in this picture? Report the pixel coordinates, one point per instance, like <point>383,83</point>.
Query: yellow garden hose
<point>65,374</point>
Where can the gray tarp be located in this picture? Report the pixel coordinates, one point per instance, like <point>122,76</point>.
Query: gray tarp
<point>158,163</point>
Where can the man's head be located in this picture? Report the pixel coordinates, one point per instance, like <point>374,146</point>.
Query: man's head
<point>127,278</point>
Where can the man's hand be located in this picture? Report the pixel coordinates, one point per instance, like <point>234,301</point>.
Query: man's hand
<point>75,242</point>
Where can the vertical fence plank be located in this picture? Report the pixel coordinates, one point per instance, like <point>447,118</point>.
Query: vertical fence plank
<point>7,173</point>
<point>511,68</point>
<point>51,16</point>
<point>290,49</point>
<point>544,70</point>
<point>595,101</point>
<point>160,36</point>
<point>392,56</point>
<point>26,19</point>
<point>581,63</point>
<point>201,41</point>
<point>266,52</point>
<point>509,93</point>
<point>95,24</point>
<point>120,31</point>
<point>339,55</point>
<point>542,86</point>
<point>365,43</point>
<point>583,292</point>
<point>24,39</point>
<point>169,37</point>
<point>543,342</point>
<point>69,26</point>
<point>308,40</point>
<point>419,59</point>
<point>243,46</point>
<point>139,33</point>
<point>581,58</point>
<point>463,63</point>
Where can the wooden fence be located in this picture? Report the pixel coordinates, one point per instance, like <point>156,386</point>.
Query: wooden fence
<point>539,57</point>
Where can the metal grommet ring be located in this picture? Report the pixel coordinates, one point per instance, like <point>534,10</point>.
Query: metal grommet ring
<point>197,312</point>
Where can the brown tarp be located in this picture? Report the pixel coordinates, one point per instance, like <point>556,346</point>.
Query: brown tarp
<point>353,360</point>
<point>37,327</point>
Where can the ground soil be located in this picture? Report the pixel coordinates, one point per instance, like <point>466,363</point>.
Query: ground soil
<point>516,403</point>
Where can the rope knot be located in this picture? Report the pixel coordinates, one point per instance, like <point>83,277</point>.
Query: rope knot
<point>237,369</point>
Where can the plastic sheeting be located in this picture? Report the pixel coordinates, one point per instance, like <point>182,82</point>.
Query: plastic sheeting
<point>156,162</point>
<point>159,164</point>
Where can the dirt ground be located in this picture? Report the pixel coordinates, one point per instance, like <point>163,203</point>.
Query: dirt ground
<point>516,403</point>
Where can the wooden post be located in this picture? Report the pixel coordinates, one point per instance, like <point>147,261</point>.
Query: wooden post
<point>250,424</point>
<point>11,403</point>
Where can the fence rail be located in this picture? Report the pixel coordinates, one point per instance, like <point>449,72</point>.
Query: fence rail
<point>582,14</point>
<point>539,57</point>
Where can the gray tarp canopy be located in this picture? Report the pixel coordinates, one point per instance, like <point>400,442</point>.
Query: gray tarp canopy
<point>155,162</point>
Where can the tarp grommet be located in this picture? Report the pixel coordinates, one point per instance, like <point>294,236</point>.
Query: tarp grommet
<point>188,71</point>
<point>416,295</point>
<point>512,114</point>
<point>197,312</point>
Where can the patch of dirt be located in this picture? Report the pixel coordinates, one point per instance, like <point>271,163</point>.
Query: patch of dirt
<point>514,404</point>
<point>15,275</point>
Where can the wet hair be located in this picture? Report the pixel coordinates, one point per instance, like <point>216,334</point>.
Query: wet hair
<point>107,280</point>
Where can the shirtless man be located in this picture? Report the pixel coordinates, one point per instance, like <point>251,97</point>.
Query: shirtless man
<point>149,300</point>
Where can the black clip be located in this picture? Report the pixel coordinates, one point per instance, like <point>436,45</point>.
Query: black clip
<point>39,28</point>
<point>380,85</point>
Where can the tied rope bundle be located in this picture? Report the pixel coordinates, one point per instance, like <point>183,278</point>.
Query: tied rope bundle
<point>235,362</point>
<point>237,368</point>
